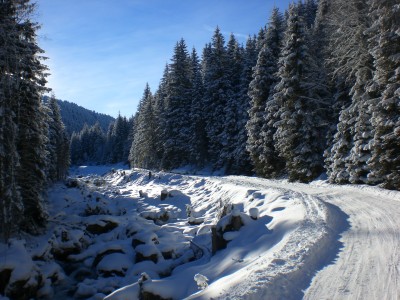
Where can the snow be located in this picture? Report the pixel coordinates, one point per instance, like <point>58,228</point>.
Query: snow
<point>146,250</point>
<point>201,281</point>
<point>315,241</point>
<point>115,262</point>
<point>254,213</point>
<point>16,258</point>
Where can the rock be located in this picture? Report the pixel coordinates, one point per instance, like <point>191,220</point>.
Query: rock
<point>115,264</point>
<point>168,254</point>
<point>217,240</point>
<point>144,237</point>
<point>4,279</point>
<point>101,227</point>
<point>146,252</point>
<point>150,296</point>
<point>66,242</point>
<point>140,257</point>
<point>236,222</point>
<point>81,274</point>
<point>24,289</point>
<point>164,194</point>
<point>72,183</point>
<point>102,254</point>
<point>62,253</point>
<point>136,242</point>
<point>195,221</point>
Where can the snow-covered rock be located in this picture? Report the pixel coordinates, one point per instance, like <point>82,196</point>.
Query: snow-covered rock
<point>114,264</point>
<point>20,277</point>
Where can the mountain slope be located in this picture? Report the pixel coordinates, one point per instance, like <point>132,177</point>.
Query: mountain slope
<point>75,116</point>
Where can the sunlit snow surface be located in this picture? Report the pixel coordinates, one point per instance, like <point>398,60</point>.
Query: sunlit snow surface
<point>293,250</point>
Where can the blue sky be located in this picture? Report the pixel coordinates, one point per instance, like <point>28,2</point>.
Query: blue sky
<point>102,52</point>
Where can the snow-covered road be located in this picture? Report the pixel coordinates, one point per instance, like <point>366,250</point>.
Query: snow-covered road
<point>368,263</point>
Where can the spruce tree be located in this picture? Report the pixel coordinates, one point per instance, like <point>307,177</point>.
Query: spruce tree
<point>302,105</point>
<point>309,11</point>
<point>32,129</point>
<point>229,135</point>
<point>242,163</point>
<point>263,108</point>
<point>198,140</point>
<point>352,67</point>
<point>118,140</point>
<point>11,206</point>
<point>143,153</point>
<point>90,145</point>
<point>385,38</point>
<point>362,130</point>
<point>177,110</point>
<point>57,147</point>
<point>216,96</point>
<point>159,114</point>
<point>75,148</point>
<point>96,145</point>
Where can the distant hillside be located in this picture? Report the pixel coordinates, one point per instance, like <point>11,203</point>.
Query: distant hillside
<point>75,116</point>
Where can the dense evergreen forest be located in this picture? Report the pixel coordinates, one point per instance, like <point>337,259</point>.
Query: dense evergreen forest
<point>34,146</point>
<point>316,90</point>
<point>92,145</point>
<point>75,117</point>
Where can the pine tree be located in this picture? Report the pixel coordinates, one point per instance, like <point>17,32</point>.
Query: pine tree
<point>309,11</point>
<point>58,145</point>
<point>11,205</point>
<point>216,96</point>
<point>96,142</point>
<point>385,160</point>
<point>362,130</point>
<point>263,109</point>
<point>228,137</point>
<point>75,148</point>
<point>339,89</point>
<point>32,129</point>
<point>159,114</point>
<point>64,153</point>
<point>177,110</point>
<point>118,141</point>
<point>260,39</point>
<point>198,140</point>
<point>351,64</point>
<point>90,145</point>
<point>143,153</point>
<point>301,97</point>
<point>242,163</point>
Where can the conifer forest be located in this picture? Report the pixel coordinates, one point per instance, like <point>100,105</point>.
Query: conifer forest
<point>264,166</point>
<point>316,91</point>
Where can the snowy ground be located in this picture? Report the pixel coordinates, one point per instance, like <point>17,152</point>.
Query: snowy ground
<point>112,236</point>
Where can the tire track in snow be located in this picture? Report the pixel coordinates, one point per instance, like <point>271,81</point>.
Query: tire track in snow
<point>289,271</point>
<point>368,265</point>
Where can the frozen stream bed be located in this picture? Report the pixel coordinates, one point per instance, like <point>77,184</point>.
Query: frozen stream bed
<point>114,237</point>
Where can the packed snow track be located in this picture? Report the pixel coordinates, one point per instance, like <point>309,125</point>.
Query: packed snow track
<point>368,263</point>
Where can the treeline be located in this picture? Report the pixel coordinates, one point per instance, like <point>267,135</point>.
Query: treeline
<point>92,145</point>
<point>317,90</point>
<point>34,149</point>
<point>74,117</point>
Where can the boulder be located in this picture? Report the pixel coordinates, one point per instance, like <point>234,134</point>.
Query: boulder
<point>101,226</point>
<point>146,252</point>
